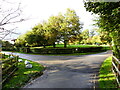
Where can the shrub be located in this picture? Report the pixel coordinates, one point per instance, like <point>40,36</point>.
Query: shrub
<point>52,50</point>
<point>88,49</point>
<point>8,48</point>
<point>59,50</point>
<point>65,50</point>
<point>24,49</point>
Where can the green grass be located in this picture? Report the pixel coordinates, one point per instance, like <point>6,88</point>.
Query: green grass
<point>106,76</point>
<point>23,75</point>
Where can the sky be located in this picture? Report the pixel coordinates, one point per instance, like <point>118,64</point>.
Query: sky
<point>39,10</point>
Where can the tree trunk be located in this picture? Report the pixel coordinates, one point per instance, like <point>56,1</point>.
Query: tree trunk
<point>79,42</point>
<point>65,43</point>
<point>110,46</point>
<point>44,46</point>
<point>54,45</point>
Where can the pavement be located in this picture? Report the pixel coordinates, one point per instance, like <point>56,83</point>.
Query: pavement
<point>67,71</point>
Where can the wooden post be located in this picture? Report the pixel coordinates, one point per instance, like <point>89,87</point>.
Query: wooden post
<point>9,55</point>
<point>119,70</point>
<point>112,64</point>
<point>116,68</point>
<point>17,57</point>
<point>3,55</point>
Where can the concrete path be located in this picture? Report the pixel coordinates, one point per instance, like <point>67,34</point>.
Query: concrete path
<point>67,71</point>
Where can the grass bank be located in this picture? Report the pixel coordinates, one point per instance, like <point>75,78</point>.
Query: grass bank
<point>106,76</point>
<point>23,75</point>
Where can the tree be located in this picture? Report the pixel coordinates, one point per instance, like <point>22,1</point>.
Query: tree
<point>53,28</point>
<point>92,33</point>
<point>8,17</point>
<point>105,37</point>
<point>32,39</point>
<point>20,41</point>
<point>6,45</point>
<point>36,37</point>
<point>57,28</point>
<point>85,36</point>
<point>109,20</point>
<point>70,26</point>
<point>96,40</point>
<point>76,39</point>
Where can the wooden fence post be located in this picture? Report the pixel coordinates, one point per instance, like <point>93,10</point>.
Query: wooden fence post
<point>17,57</point>
<point>116,68</point>
<point>118,73</point>
<point>8,71</point>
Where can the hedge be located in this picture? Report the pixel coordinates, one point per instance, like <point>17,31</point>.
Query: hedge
<point>58,50</point>
<point>66,50</point>
<point>19,49</point>
<point>8,48</point>
<point>52,50</point>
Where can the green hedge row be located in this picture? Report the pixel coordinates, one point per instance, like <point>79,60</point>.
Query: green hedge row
<point>59,50</point>
<point>66,50</point>
<point>52,50</point>
<point>19,49</point>
<point>8,48</point>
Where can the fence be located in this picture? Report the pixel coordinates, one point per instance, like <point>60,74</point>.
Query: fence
<point>116,68</point>
<point>9,66</point>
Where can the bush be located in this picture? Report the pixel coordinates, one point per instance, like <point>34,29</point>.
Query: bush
<point>65,50</point>
<point>52,50</point>
<point>59,50</point>
<point>18,49</point>
<point>24,49</point>
<point>8,48</point>
<point>88,49</point>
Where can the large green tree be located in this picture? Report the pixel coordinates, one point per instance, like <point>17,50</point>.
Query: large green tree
<point>36,37</point>
<point>53,28</point>
<point>20,42</point>
<point>109,20</point>
<point>58,28</point>
<point>70,26</point>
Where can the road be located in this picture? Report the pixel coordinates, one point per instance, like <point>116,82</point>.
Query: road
<point>67,71</point>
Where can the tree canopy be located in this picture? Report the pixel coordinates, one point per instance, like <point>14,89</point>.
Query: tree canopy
<point>109,20</point>
<point>58,28</point>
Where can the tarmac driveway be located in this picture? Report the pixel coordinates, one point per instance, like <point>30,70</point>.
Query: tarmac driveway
<point>67,71</point>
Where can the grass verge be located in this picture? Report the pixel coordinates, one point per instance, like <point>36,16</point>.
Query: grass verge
<point>23,75</point>
<point>106,76</point>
